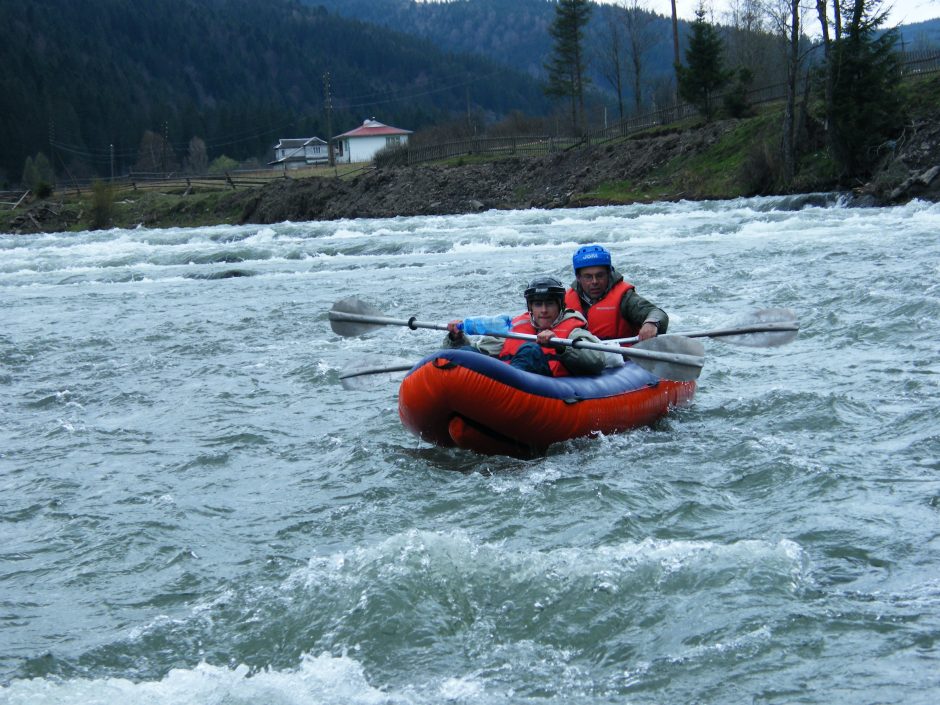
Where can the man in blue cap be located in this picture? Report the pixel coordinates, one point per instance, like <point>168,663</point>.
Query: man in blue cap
<point>611,305</point>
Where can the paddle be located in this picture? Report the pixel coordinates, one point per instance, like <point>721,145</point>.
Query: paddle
<point>671,357</point>
<point>357,378</point>
<point>764,328</point>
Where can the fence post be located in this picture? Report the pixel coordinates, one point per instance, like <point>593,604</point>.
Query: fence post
<point>25,194</point>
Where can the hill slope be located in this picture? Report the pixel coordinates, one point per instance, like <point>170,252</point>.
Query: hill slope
<point>512,32</point>
<point>238,73</point>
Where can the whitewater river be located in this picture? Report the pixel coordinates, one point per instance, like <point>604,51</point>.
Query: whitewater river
<point>194,510</point>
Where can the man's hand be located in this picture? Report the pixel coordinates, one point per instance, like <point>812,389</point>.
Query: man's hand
<point>648,330</point>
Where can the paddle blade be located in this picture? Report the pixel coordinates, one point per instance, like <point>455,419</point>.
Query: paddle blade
<point>771,328</point>
<point>368,377</point>
<point>691,350</point>
<point>355,306</point>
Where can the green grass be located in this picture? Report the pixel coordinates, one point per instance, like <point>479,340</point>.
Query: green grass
<point>921,94</point>
<point>729,168</point>
<point>713,173</point>
<point>167,210</point>
<point>130,209</point>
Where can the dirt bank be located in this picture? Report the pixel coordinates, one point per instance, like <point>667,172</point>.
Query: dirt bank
<point>572,178</point>
<point>552,181</point>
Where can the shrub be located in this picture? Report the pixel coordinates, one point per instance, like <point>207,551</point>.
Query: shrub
<point>222,164</point>
<point>102,205</point>
<point>736,103</point>
<point>760,170</point>
<point>392,155</point>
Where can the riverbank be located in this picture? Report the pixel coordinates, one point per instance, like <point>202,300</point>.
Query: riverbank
<point>696,161</point>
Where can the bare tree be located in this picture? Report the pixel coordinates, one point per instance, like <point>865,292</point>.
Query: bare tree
<point>789,115</point>
<point>637,20</point>
<point>197,160</point>
<point>786,18</point>
<point>610,54</point>
<point>155,154</point>
<point>747,34</point>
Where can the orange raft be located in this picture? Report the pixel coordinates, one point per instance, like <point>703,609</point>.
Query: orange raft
<point>466,399</point>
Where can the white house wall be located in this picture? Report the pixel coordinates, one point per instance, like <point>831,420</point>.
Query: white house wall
<point>363,149</point>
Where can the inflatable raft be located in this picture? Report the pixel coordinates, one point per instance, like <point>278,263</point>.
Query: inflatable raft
<point>466,399</point>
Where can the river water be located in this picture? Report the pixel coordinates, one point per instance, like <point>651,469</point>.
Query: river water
<point>194,510</point>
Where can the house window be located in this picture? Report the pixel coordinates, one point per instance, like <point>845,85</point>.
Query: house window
<point>392,140</point>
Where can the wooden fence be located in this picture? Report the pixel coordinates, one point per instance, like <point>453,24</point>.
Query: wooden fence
<point>529,145</point>
<point>11,200</point>
<point>920,62</point>
<point>186,184</point>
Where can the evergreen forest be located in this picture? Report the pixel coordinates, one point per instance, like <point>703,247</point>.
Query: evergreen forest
<point>85,80</point>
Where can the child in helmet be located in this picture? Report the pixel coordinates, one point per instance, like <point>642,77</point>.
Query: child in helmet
<point>546,317</point>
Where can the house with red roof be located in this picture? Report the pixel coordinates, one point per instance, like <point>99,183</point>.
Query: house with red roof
<point>361,144</point>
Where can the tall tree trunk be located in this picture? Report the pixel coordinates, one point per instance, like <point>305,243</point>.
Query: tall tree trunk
<point>579,89</point>
<point>574,104</point>
<point>675,48</point>
<point>637,85</point>
<point>827,53</point>
<point>788,146</point>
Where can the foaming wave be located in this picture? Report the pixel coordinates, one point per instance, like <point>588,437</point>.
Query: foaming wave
<point>317,680</point>
<point>494,567</point>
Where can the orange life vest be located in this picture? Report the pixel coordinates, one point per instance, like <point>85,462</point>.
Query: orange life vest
<point>523,324</point>
<point>603,317</point>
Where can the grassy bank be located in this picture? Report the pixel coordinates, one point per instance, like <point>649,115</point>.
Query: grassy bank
<point>742,163</point>
<point>158,204</point>
<point>745,162</point>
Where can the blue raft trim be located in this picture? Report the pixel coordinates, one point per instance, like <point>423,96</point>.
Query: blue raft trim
<point>611,382</point>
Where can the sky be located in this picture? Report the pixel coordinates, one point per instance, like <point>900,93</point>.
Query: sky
<point>902,12</point>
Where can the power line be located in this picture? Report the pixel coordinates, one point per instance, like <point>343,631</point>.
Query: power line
<point>106,154</point>
<point>399,97</point>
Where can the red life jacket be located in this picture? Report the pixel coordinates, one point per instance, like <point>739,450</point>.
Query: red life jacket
<point>603,317</point>
<point>523,324</point>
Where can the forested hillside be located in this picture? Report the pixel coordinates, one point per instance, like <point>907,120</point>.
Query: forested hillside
<point>514,32</point>
<point>920,36</point>
<point>82,75</point>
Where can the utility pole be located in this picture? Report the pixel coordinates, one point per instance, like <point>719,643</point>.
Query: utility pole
<point>469,119</point>
<point>52,149</point>
<point>329,117</point>
<point>111,150</point>
<point>166,134</point>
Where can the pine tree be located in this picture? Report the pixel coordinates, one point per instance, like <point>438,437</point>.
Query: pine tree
<point>705,72</point>
<point>567,66</point>
<point>865,74</point>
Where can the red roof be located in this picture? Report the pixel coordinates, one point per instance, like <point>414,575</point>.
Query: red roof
<point>373,128</point>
